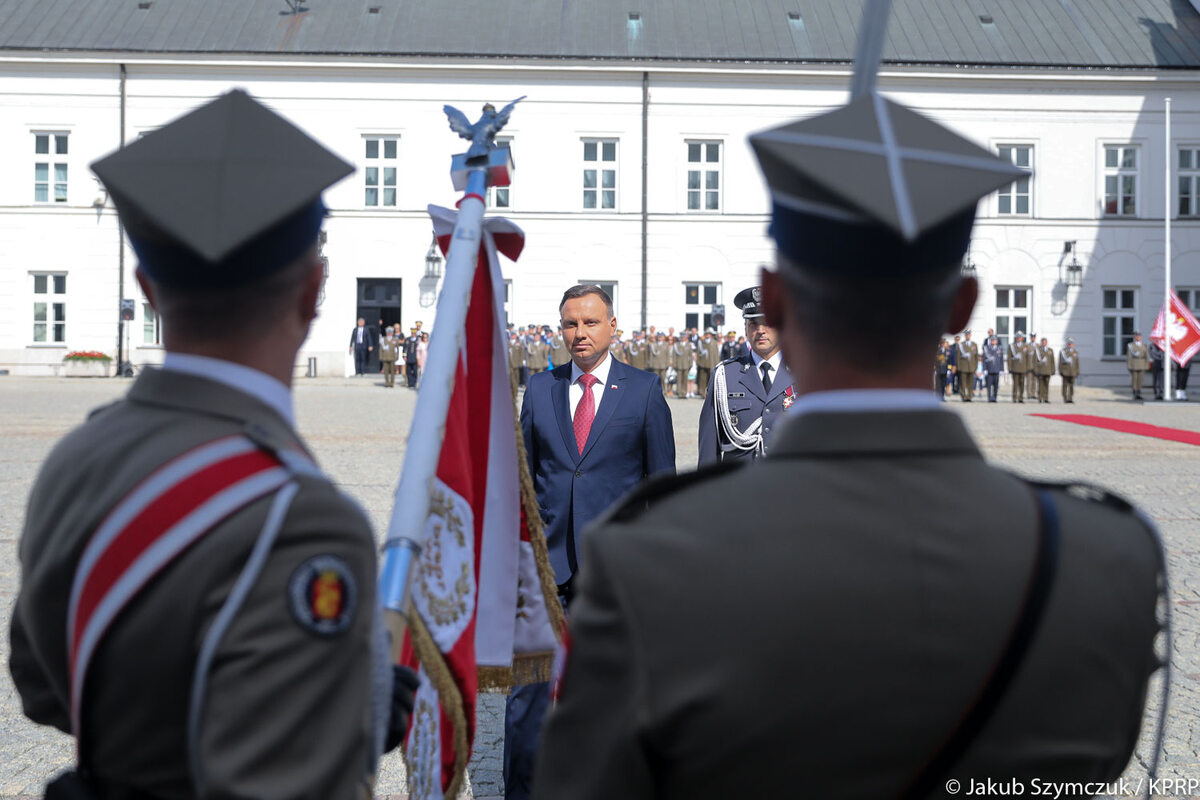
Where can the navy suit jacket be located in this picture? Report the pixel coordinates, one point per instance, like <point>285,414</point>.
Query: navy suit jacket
<point>631,438</point>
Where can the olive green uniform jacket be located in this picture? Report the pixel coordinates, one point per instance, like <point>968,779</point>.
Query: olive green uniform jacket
<point>636,353</point>
<point>538,357</point>
<point>828,647</point>
<point>558,351</point>
<point>286,712</point>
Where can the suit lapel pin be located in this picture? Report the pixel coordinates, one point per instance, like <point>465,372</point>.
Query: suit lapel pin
<point>613,386</point>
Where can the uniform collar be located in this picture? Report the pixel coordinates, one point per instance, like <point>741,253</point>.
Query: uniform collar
<point>600,372</point>
<point>259,385</point>
<point>871,422</point>
<point>854,401</point>
<point>774,360</point>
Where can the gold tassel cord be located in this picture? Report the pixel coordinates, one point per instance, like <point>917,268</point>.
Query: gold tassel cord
<point>537,537</point>
<point>435,666</point>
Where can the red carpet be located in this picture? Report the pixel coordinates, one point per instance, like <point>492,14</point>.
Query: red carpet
<point>1125,426</point>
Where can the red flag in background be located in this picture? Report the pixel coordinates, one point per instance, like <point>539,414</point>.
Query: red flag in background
<point>1185,331</point>
<point>465,593</point>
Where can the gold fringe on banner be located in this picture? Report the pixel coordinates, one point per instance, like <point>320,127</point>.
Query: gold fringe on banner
<point>537,537</point>
<point>526,668</point>
<point>435,666</point>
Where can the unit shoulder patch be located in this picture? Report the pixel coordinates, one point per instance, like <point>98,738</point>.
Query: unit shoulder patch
<point>323,595</point>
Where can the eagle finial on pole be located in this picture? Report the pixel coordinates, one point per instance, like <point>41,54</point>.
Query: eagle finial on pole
<point>483,132</point>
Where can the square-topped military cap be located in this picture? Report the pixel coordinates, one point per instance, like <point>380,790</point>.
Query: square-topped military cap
<point>221,196</point>
<point>874,188</point>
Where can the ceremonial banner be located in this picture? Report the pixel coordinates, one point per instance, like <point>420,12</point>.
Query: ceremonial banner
<point>465,592</point>
<point>1185,331</point>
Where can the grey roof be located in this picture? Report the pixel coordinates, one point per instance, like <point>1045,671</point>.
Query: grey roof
<point>1064,33</point>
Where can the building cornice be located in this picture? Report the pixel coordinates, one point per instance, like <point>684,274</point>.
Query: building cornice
<point>841,71</point>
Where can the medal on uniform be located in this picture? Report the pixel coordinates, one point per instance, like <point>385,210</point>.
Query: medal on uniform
<point>789,397</point>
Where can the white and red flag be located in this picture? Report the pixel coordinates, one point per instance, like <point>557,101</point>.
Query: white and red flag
<point>472,608</point>
<point>1185,331</point>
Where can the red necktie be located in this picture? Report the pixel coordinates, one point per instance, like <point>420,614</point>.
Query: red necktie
<point>585,412</point>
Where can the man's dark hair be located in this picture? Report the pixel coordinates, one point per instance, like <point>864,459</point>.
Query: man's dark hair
<point>225,314</point>
<point>907,313</point>
<point>584,289</point>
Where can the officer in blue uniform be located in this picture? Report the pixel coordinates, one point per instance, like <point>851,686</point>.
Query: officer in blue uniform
<point>747,393</point>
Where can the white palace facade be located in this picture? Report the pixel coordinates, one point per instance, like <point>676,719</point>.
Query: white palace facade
<point>632,163</point>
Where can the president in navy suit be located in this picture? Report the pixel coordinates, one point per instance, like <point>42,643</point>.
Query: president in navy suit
<point>593,428</point>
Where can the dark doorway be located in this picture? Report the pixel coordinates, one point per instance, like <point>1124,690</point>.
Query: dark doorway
<point>379,305</point>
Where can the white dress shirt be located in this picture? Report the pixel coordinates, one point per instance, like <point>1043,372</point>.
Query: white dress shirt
<point>774,361</point>
<point>575,391</point>
<point>246,380</point>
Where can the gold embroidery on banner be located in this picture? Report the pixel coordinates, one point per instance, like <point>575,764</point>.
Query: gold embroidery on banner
<point>435,666</point>
<point>423,742</point>
<point>446,605</point>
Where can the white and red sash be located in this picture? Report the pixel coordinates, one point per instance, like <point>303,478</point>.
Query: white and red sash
<point>158,520</point>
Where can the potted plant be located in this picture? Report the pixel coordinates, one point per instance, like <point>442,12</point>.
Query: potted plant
<point>86,364</point>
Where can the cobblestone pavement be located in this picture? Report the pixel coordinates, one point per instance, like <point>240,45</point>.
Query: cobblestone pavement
<point>362,449</point>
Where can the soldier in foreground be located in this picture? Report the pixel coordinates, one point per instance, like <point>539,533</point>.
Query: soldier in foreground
<point>198,599</point>
<point>849,636</point>
<point>748,394</point>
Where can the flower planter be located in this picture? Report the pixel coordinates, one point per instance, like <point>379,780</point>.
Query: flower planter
<point>91,368</point>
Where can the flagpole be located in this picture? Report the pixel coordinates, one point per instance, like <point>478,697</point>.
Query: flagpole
<point>406,531</point>
<point>1167,394</point>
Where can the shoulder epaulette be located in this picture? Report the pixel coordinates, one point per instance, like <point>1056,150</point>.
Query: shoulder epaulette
<point>1085,491</point>
<point>101,409</point>
<point>639,498</point>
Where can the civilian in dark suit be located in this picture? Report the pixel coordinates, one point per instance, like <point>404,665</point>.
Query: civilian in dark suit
<point>362,342</point>
<point>593,428</point>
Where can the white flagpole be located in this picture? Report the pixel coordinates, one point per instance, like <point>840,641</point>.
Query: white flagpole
<point>1167,394</point>
<point>406,532</point>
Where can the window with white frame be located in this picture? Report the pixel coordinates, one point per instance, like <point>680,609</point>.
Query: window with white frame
<point>1119,314</point>
<point>151,326</point>
<point>1013,312</point>
<point>609,287</point>
<point>1190,297</point>
<point>49,167</point>
<point>500,196</point>
<point>698,300</point>
<point>1120,180</point>
<point>600,174</point>
<point>49,308</point>
<point>379,170</point>
<point>704,176</point>
<point>508,301</point>
<point>1016,199</point>
<point>1188,177</point>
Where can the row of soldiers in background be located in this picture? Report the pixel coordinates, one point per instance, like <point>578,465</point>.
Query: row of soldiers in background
<point>1031,365</point>
<point>668,355</point>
